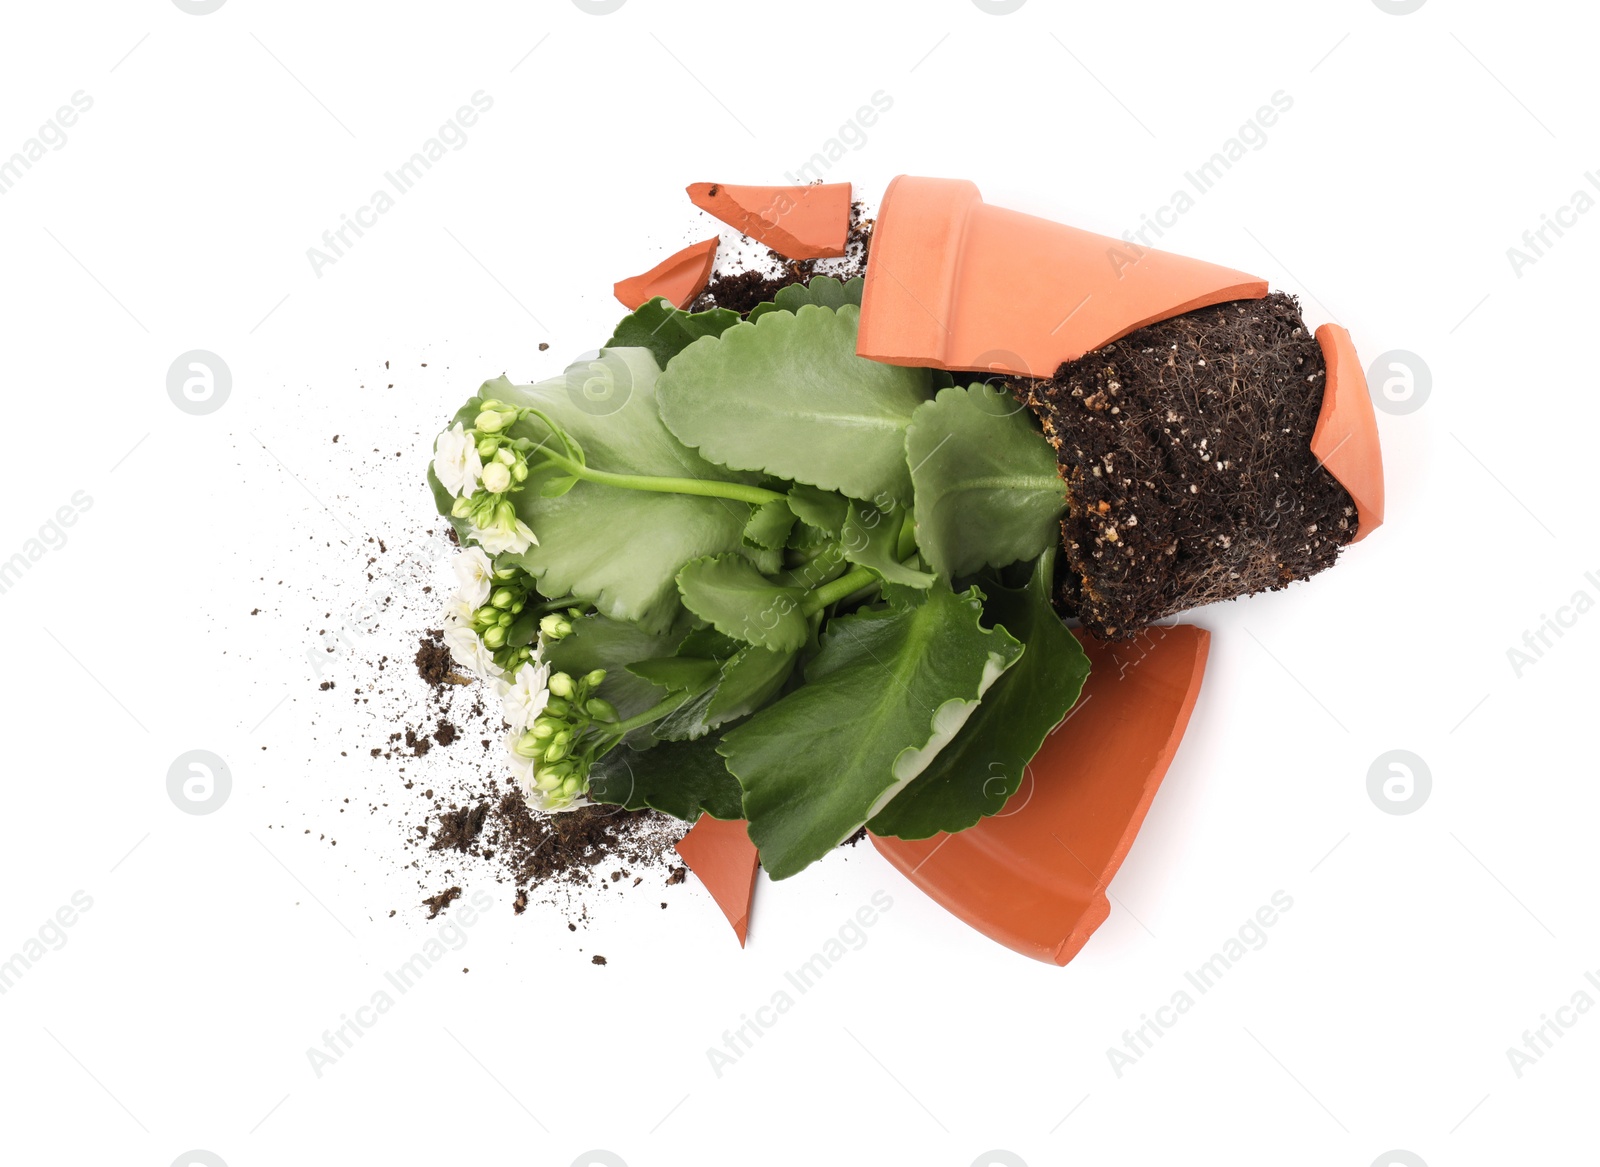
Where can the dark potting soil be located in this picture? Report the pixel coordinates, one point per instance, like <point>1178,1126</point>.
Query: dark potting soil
<point>1186,450</point>
<point>438,903</point>
<point>433,659</point>
<point>459,829</point>
<point>742,290</point>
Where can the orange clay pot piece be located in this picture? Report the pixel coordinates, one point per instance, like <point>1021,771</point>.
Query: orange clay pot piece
<point>721,854</point>
<point>800,222</point>
<point>1034,876</point>
<point>953,283</point>
<point>1346,438</point>
<point>680,278</point>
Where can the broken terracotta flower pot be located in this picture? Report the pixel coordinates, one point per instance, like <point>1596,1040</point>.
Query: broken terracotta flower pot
<point>800,222</point>
<point>1346,437</point>
<point>1034,876</point>
<point>721,854</point>
<point>680,278</point>
<point>957,284</point>
<point>953,283</point>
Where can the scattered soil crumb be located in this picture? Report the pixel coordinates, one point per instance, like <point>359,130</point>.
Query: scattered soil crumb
<point>433,658</point>
<point>459,828</point>
<point>438,903</point>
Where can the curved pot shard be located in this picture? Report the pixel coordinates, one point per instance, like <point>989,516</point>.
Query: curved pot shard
<point>953,283</point>
<point>800,222</point>
<point>1034,876</point>
<point>1346,438</point>
<point>680,278</point>
<point>721,854</point>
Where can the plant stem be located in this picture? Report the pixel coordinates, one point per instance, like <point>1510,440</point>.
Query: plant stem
<point>908,539</point>
<point>655,713</point>
<point>846,584</point>
<point>705,488</point>
<point>558,605</point>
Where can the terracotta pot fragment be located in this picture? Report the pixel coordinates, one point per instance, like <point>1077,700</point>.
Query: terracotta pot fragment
<point>800,222</point>
<point>953,283</point>
<point>1034,876</point>
<point>680,277</point>
<point>1346,438</point>
<point>721,854</point>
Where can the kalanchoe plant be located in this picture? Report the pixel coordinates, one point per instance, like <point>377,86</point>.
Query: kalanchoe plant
<point>731,568</point>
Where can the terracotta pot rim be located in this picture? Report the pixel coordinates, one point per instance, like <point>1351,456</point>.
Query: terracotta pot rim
<point>955,283</point>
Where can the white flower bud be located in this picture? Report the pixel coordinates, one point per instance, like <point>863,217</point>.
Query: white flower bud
<point>497,478</point>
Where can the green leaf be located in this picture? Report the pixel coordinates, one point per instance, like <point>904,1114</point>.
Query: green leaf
<point>769,525</point>
<point>728,679</point>
<point>871,538</point>
<point>787,395</point>
<point>666,331</point>
<point>814,567</point>
<point>807,539</point>
<point>988,489</point>
<point>823,509</point>
<point>890,687</point>
<point>616,548</point>
<point>596,642</point>
<point>682,779</point>
<point>982,767</point>
<point>749,681</point>
<point>823,291</point>
<point>709,644</point>
<point>688,722</point>
<point>766,562</point>
<point>740,602</point>
<point>678,674</point>
<point>524,628</point>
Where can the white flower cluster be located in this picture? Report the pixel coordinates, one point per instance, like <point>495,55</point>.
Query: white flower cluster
<point>523,701</point>
<point>481,490</point>
<point>475,579</point>
<point>538,746</point>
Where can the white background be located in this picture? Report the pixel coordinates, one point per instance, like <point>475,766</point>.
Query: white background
<point>219,947</point>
